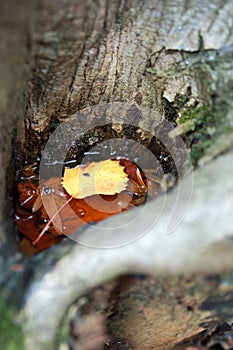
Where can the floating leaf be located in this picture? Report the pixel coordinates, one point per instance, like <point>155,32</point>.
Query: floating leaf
<point>104,177</point>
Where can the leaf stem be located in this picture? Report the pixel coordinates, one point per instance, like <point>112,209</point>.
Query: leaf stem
<point>50,221</point>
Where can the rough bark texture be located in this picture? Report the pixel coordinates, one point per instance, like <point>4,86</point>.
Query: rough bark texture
<point>93,52</point>
<point>169,56</point>
<point>13,52</point>
<point>148,313</point>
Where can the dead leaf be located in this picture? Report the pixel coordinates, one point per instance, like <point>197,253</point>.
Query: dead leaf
<point>104,177</point>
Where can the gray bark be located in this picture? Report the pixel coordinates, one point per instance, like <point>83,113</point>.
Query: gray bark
<point>94,52</point>
<point>13,52</point>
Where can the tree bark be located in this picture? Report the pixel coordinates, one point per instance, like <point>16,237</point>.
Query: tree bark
<point>13,51</point>
<point>95,52</point>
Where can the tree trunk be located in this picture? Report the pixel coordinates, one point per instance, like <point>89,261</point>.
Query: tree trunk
<point>96,52</point>
<point>13,51</point>
<point>171,58</point>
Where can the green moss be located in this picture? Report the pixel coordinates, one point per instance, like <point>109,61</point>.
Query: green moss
<point>198,126</point>
<point>180,101</point>
<point>62,335</point>
<point>199,114</point>
<point>170,71</point>
<point>151,70</point>
<point>11,337</point>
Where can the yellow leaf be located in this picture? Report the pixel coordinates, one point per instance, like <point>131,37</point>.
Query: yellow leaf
<point>104,177</point>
